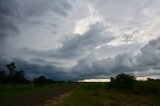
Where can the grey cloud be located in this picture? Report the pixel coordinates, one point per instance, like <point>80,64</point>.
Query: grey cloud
<point>8,13</point>
<point>105,67</point>
<point>15,14</point>
<point>148,59</point>
<point>150,54</point>
<point>82,44</point>
<point>45,15</point>
<point>8,27</point>
<point>38,8</point>
<point>112,51</point>
<point>33,69</point>
<point>120,10</point>
<point>73,48</point>
<point>77,45</point>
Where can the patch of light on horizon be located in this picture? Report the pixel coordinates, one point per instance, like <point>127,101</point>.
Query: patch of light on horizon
<point>108,80</point>
<point>141,78</point>
<point>95,80</point>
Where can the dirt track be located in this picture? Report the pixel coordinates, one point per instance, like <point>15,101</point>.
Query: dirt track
<point>36,99</point>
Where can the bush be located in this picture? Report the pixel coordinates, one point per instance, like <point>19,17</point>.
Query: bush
<point>41,80</point>
<point>147,87</point>
<point>2,77</point>
<point>122,82</point>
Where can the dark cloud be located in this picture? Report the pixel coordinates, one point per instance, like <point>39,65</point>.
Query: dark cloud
<point>15,12</point>
<point>148,59</point>
<point>104,67</point>
<point>34,69</point>
<point>78,45</point>
<point>32,11</point>
<point>8,27</point>
<point>105,49</point>
<point>150,55</point>
<point>8,14</point>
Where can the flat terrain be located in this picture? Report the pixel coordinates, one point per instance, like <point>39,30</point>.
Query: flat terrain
<point>33,97</point>
<point>98,95</point>
<point>78,94</point>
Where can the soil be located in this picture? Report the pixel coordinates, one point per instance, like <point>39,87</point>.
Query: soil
<point>36,99</point>
<point>58,101</point>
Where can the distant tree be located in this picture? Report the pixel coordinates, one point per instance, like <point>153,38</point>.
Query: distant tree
<point>111,84</point>
<point>11,67</point>
<point>50,81</point>
<point>124,81</point>
<point>150,79</point>
<point>2,77</point>
<point>15,76</point>
<point>19,77</point>
<point>41,80</point>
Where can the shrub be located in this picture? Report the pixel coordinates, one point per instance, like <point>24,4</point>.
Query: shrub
<point>41,80</point>
<point>122,82</point>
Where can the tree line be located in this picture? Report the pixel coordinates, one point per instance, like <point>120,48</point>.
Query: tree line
<point>128,83</point>
<point>12,75</point>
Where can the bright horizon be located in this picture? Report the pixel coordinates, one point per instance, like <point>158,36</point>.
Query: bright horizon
<point>108,80</point>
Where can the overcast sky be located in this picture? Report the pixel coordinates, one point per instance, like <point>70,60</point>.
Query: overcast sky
<point>81,39</point>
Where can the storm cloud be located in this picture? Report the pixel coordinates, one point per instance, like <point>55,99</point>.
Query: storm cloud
<point>74,39</point>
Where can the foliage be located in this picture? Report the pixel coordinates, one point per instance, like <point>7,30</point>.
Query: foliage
<point>14,76</point>
<point>122,82</point>
<point>2,77</point>
<point>89,94</point>
<point>41,80</point>
<point>11,67</point>
<point>147,87</point>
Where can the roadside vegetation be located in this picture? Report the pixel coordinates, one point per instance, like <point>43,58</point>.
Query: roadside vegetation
<point>14,83</point>
<point>122,90</point>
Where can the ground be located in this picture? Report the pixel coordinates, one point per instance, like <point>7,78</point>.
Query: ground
<point>33,96</point>
<point>81,94</point>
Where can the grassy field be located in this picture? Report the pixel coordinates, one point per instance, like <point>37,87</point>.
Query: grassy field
<point>16,90</point>
<point>91,94</point>
<point>96,94</point>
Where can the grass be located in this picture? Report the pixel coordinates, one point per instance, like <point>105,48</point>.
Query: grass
<point>92,94</point>
<point>96,94</point>
<point>12,90</point>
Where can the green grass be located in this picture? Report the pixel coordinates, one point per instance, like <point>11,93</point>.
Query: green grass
<point>91,94</point>
<point>96,94</point>
<point>15,90</point>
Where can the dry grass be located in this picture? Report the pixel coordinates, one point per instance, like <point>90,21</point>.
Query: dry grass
<point>98,95</point>
<point>58,101</point>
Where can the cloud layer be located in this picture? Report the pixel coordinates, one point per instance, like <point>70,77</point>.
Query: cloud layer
<point>74,39</point>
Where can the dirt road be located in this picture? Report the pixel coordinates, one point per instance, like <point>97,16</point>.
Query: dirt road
<point>36,99</point>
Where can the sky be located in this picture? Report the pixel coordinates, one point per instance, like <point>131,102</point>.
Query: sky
<point>81,39</point>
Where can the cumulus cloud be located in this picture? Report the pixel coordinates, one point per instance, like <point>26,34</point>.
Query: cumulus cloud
<point>67,39</point>
<point>8,27</point>
<point>146,62</point>
<point>150,55</point>
<point>8,16</point>
<point>79,45</point>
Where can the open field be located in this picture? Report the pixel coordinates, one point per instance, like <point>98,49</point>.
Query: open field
<point>96,94</point>
<point>79,94</point>
<point>29,95</point>
<point>17,90</point>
